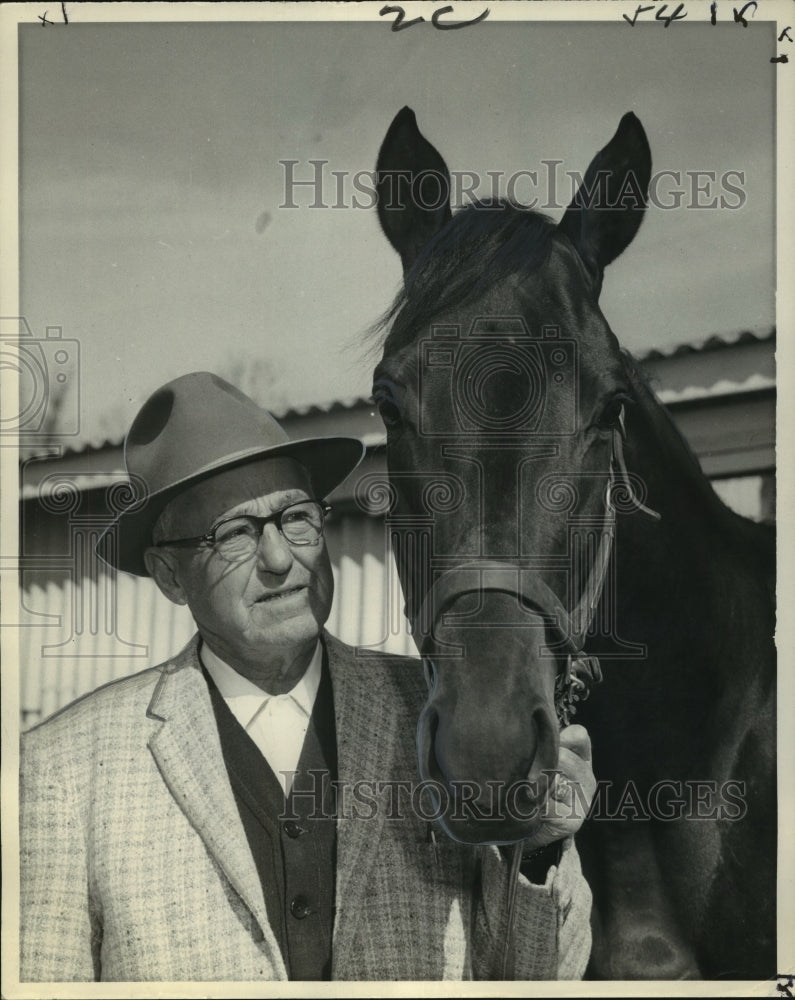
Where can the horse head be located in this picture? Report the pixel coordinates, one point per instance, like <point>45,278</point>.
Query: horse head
<point>503,392</point>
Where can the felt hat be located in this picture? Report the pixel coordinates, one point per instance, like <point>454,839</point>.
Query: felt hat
<point>189,430</point>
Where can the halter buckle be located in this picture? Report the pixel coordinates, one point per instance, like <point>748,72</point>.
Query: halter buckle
<point>573,684</point>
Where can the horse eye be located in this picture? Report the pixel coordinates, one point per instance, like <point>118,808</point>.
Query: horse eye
<point>387,407</point>
<point>612,417</point>
<point>390,414</point>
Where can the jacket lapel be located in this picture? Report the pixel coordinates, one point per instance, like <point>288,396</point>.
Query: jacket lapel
<point>188,752</point>
<point>365,753</point>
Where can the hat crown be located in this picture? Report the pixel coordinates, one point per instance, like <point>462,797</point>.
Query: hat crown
<point>197,426</point>
<point>193,424</point>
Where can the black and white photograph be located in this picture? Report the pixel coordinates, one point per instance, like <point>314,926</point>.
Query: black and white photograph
<point>397,498</point>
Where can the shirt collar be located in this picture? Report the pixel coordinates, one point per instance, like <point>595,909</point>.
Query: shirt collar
<point>247,700</point>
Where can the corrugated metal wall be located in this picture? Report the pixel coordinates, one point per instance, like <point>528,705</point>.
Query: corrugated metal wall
<point>78,627</point>
<point>76,632</point>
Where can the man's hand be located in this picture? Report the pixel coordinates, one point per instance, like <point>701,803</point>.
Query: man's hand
<point>572,789</point>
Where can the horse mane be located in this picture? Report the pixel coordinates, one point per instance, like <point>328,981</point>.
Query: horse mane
<point>759,538</point>
<point>485,242</point>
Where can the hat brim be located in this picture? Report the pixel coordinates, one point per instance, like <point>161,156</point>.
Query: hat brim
<point>329,461</point>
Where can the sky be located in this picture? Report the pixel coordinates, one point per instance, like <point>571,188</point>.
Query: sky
<point>152,225</point>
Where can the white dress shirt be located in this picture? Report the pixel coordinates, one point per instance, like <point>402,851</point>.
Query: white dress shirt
<point>276,723</point>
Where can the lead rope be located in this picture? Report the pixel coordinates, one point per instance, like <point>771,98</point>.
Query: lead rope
<point>508,955</point>
<point>573,683</point>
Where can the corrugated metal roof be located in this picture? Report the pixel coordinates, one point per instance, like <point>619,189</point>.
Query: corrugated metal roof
<point>690,372</point>
<point>715,342</point>
<point>723,387</point>
<point>100,440</point>
<point>316,409</point>
<point>60,448</point>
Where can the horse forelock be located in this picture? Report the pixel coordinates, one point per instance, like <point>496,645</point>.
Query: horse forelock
<point>484,243</point>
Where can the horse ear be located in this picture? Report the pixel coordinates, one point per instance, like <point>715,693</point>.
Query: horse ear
<point>618,177</point>
<point>413,186</point>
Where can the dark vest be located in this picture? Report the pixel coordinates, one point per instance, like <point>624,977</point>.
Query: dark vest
<point>293,840</point>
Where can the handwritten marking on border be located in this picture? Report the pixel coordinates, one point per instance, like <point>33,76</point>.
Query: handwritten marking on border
<point>45,20</point>
<point>400,23</point>
<point>679,14</point>
<point>659,15</point>
<point>785,988</point>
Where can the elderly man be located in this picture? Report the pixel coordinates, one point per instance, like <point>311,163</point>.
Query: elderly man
<point>182,823</point>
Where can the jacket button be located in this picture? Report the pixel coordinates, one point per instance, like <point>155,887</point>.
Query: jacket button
<point>300,907</point>
<point>292,829</point>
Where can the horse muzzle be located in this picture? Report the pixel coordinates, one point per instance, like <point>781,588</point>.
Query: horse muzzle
<point>474,797</point>
<point>487,738</point>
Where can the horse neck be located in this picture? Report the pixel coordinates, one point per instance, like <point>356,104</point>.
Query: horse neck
<point>700,554</point>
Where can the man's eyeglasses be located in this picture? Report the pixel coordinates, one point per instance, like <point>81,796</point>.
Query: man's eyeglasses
<point>238,537</point>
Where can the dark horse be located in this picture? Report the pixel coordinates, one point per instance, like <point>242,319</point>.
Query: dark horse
<point>546,512</point>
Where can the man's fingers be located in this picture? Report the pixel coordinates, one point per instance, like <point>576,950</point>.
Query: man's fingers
<point>561,788</point>
<point>576,739</point>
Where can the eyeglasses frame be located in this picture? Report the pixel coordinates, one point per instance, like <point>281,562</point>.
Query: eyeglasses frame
<point>208,539</point>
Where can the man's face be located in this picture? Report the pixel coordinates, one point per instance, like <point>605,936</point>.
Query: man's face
<point>270,607</point>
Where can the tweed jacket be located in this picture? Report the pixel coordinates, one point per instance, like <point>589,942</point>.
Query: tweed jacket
<point>135,864</point>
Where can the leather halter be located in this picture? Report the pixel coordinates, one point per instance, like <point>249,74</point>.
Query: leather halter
<point>579,671</point>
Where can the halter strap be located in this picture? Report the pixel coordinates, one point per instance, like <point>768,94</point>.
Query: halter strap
<point>497,577</point>
<point>578,671</point>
